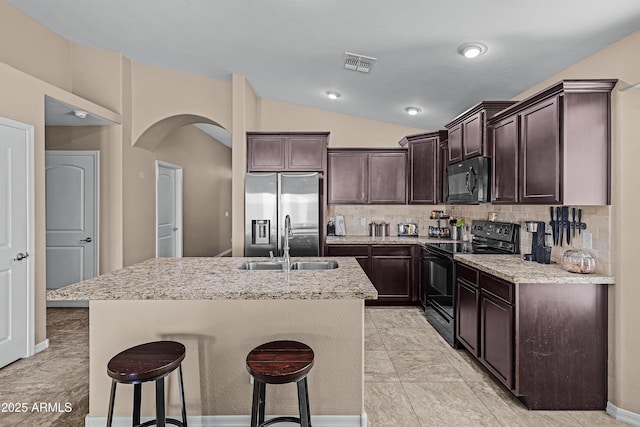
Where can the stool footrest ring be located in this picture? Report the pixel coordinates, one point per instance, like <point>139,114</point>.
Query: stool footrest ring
<point>281,420</point>
<point>167,421</point>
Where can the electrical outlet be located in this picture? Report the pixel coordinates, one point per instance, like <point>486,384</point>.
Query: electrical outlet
<point>587,241</point>
<point>363,222</point>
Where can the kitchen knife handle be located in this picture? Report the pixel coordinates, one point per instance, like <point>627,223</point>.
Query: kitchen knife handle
<point>573,221</point>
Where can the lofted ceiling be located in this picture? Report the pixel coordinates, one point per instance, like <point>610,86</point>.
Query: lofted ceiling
<point>292,50</point>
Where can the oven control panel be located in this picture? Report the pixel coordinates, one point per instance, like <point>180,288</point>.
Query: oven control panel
<point>504,231</point>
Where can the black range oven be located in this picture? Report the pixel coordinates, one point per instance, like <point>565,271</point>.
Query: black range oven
<point>439,267</point>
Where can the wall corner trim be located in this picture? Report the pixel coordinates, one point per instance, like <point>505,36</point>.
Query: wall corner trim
<point>623,415</point>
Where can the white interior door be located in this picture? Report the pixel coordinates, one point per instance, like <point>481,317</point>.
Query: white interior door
<point>72,216</point>
<point>168,209</point>
<point>16,241</point>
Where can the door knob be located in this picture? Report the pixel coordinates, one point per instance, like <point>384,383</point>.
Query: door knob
<point>87,240</point>
<point>20,256</point>
<point>175,228</point>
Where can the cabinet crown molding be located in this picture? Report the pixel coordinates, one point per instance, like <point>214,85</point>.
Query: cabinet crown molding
<point>563,86</point>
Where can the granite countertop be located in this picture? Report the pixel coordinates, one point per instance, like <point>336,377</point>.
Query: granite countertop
<point>220,279</point>
<point>514,269</point>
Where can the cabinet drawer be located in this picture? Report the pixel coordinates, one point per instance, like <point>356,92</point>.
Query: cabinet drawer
<point>348,250</point>
<point>390,250</point>
<point>467,273</point>
<point>500,288</point>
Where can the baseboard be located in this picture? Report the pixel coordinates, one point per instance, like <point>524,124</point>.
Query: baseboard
<point>41,346</point>
<point>239,421</point>
<point>224,253</point>
<point>623,415</point>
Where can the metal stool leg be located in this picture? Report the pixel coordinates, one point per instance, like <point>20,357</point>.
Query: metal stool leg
<point>137,397</point>
<point>303,403</point>
<point>257,406</point>
<point>182,404</point>
<point>112,399</point>
<point>160,415</point>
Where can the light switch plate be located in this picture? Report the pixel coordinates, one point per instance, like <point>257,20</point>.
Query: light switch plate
<point>363,222</point>
<point>587,241</point>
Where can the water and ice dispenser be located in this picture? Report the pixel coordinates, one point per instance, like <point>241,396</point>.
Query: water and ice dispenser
<point>261,232</point>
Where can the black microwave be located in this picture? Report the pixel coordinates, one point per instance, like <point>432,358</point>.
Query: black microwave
<point>468,181</point>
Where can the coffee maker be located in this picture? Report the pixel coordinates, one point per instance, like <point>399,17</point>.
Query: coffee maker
<point>538,252</point>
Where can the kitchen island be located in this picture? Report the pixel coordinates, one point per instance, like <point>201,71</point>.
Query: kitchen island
<point>220,312</point>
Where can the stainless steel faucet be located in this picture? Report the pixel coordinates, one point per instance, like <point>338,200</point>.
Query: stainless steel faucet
<point>288,234</point>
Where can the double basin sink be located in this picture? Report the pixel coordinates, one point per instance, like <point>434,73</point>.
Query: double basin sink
<point>299,265</point>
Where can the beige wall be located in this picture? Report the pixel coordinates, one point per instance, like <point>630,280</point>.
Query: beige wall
<point>32,48</point>
<point>206,189</point>
<point>346,131</point>
<point>218,336</point>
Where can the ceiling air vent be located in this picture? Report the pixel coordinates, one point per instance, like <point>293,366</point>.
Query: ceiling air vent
<point>355,62</point>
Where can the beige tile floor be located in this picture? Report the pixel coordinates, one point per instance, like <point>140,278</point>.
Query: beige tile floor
<point>56,376</point>
<point>412,378</point>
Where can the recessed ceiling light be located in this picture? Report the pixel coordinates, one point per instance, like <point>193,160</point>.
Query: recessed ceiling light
<point>472,49</point>
<point>80,114</point>
<point>332,94</point>
<point>412,111</point>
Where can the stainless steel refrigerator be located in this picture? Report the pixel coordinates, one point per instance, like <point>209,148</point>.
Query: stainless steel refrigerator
<point>268,198</point>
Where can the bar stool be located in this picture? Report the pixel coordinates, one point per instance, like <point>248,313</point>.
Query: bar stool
<point>147,362</point>
<point>280,362</point>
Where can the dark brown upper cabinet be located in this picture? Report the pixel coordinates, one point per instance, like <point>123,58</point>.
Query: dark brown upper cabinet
<point>427,163</point>
<point>367,176</point>
<point>468,132</point>
<point>555,146</point>
<point>286,152</point>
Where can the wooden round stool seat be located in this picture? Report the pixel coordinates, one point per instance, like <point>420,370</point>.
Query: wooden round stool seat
<point>280,362</point>
<point>151,361</point>
<point>146,362</point>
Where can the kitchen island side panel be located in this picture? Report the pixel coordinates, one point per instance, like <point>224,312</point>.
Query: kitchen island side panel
<point>561,341</point>
<point>218,335</point>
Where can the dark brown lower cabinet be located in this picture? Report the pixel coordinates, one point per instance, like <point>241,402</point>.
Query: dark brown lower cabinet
<point>391,269</point>
<point>496,332</point>
<point>467,325</point>
<point>546,342</point>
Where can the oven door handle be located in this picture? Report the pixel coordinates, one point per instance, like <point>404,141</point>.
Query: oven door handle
<point>430,256</point>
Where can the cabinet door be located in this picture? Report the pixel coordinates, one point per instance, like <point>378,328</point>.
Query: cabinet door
<point>540,153</point>
<point>473,136</point>
<point>392,277</point>
<point>455,144</point>
<point>265,153</point>
<point>423,156</point>
<point>504,153</point>
<point>496,345</point>
<point>467,301</point>
<point>306,153</point>
<point>347,178</point>
<point>391,272</point>
<point>388,178</point>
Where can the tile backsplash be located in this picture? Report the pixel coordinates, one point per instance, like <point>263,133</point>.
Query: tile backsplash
<point>597,219</point>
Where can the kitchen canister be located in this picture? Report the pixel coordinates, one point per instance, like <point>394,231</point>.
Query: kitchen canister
<point>578,261</point>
